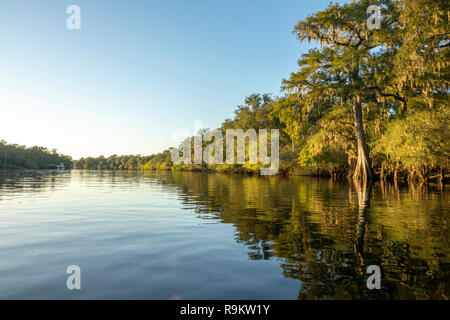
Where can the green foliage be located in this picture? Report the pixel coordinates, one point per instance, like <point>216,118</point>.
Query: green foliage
<point>13,156</point>
<point>331,145</point>
<point>399,73</point>
<point>114,162</point>
<point>420,139</point>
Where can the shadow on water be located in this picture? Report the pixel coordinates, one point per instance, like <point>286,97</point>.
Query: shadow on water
<point>323,233</point>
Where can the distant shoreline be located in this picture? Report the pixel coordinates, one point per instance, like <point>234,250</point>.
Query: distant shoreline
<point>237,172</point>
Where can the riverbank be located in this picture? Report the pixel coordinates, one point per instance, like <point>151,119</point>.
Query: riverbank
<point>402,177</point>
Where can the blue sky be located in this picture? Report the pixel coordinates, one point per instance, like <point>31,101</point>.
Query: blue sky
<point>138,70</point>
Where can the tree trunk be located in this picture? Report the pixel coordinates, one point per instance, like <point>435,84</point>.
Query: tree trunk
<point>441,175</point>
<point>363,171</point>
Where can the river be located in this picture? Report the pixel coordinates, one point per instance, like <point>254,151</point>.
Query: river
<point>185,235</point>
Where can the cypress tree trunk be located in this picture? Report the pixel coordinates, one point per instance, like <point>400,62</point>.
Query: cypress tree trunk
<point>363,171</point>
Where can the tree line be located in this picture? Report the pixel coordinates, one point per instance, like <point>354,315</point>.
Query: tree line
<point>116,162</point>
<point>14,156</point>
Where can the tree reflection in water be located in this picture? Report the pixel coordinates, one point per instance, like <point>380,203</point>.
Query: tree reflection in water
<point>325,233</point>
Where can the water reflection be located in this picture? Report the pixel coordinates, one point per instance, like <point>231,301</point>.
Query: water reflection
<point>323,233</point>
<point>25,182</point>
<point>326,233</point>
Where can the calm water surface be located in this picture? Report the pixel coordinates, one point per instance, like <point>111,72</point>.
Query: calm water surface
<point>210,236</point>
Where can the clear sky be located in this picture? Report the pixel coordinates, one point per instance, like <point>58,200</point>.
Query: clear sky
<point>138,70</point>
